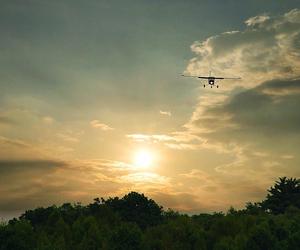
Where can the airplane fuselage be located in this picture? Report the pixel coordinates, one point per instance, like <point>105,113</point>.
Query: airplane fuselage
<point>211,80</point>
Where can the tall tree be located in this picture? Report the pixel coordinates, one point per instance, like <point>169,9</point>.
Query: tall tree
<point>135,207</point>
<point>285,193</point>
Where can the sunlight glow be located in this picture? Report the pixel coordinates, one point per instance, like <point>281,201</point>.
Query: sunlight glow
<point>143,159</point>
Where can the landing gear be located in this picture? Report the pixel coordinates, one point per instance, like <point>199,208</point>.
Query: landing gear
<point>217,86</point>
<point>204,85</point>
<point>210,86</point>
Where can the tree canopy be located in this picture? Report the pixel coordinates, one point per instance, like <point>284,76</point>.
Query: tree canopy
<point>137,222</point>
<point>284,194</point>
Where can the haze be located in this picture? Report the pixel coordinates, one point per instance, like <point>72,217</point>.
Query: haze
<point>92,103</point>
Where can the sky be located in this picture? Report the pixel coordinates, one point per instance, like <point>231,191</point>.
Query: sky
<point>92,102</point>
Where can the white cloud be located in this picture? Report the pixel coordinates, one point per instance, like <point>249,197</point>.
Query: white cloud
<point>256,20</point>
<point>67,137</point>
<point>48,119</point>
<point>288,157</point>
<point>14,142</point>
<point>102,126</point>
<point>155,138</point>
<point>175,140</point>
<point>166,113</point>
<point>268,48</point>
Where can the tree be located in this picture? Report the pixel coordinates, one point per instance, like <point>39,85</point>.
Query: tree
<point>175,234</point>
<point>285,193</point>
<point>17,235</point>
<point>87,234</point>
<point>43,242</point>
<point>126,236</point>
<point>38,216</point>
<point>135,207</point>
<point>137,222</point>
<point>253,208</point>
<point>260,238</point>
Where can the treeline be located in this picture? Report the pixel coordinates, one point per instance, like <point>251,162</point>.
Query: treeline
<point>137,222</point>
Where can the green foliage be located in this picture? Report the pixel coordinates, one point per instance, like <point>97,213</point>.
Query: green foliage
<point>253,208</point>
<point>261,238</point>
<point>87,234</point>
<point>137,222</point>
<point>285,193</point>
<point>17,235</point>
<point>177,233</point>
<point>126,236</point>
<point>135,207</point>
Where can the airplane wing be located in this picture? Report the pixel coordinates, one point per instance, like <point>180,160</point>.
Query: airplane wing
<point>201,77</point>
<point>228,78</point>
<point>216,78</point>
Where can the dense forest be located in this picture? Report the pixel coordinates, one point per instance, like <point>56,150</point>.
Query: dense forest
<point>137,222</point>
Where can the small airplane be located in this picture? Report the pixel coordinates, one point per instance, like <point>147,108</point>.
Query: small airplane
<point>211,79</point>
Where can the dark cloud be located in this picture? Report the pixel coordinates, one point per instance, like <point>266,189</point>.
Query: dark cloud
<point>28,165</point>
<point>6,121</point>
<point>281,87</point>
<point>23,183</point>
<point>260,127</point>
<point>269,108</point>
<point>13,142</point>
<point>26,184</point>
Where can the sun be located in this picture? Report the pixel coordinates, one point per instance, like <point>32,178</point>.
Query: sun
<point>143,158</point>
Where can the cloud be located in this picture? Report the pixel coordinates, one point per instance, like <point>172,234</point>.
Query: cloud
<point>268,108</point>
<point>4,120</point>
<point>48,119</point>
<point>255,121</point>
<point>11,166</point>
<point>181,201</point>
<point>268,48</point>
<point>175,140</point>
<point>146,181</point>
<point>211,188</point>
<point>281,88</point>
<point>69,135</point>
<point>46,182</point>
<point>288,157</point>
<point>13,142</point>
<point>255,126</point>
<point>257,20</point>
<point>166,113</point>
<point>266,54</point>
<point>25,184</point>
<point>154,138</point>
<point>102,126</point>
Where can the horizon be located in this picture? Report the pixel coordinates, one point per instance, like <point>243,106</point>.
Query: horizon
<point>92,103</point>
